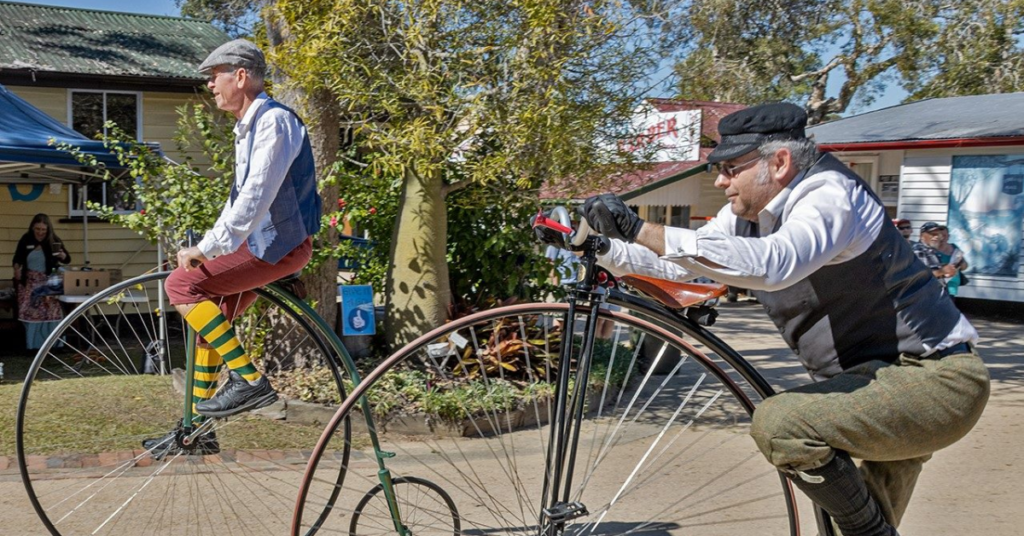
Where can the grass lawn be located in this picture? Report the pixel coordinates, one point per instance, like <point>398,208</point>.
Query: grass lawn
<point>103,414</point>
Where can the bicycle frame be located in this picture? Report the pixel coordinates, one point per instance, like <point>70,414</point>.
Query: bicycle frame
<point>383,474</point>
<point>191,432</point>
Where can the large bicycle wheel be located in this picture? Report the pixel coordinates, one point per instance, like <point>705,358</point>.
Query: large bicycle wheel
<point>662,444</point>
<point>95,391</point>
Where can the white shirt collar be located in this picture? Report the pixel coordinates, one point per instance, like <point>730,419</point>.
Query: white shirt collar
<point>775,208</point>
<point>242,125</point>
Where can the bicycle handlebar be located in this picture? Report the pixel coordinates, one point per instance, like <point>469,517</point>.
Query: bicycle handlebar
<point>563,224</point>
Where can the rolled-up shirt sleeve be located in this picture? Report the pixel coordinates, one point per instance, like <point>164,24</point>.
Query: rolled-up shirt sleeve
<point>276,141</point>
<point>623,259</point>
<point>820,225</point>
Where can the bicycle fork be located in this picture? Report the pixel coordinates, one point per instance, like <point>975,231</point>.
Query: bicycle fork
<point>559,464</point>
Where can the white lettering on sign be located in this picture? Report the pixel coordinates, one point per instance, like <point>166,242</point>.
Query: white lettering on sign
<point>668,136</point>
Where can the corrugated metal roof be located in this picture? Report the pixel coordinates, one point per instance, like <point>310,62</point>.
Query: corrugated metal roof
<point>972,117</point>
<point>81,41</point>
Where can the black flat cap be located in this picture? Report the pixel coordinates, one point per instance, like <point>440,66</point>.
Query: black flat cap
<point>747,129</point>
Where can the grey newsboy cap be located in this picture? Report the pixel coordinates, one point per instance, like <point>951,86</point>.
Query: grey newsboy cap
<point>237,53</point>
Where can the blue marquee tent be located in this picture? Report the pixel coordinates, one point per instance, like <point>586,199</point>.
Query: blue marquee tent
<point>28,156</point>
<point>25,134</point>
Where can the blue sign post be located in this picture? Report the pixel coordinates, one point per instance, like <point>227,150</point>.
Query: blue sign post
<point>357,316</point>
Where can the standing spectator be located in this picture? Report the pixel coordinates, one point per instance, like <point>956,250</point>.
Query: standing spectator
<point>37,256</point>
<point>946,260</point>
<point>904,227</point>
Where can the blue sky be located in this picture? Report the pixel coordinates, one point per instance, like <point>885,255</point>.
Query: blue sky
<point>149,7</point>
<point>167,7</point>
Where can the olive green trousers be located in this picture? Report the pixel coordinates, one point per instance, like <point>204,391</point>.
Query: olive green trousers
<point>891,416</point>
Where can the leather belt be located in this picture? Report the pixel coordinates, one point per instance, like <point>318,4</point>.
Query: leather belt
<point>962,348</point>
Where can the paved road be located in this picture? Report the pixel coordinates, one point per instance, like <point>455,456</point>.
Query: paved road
<point>972,488</point>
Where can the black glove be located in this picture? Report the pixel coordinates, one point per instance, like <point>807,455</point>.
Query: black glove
<point>608,215</point>
<point>548,236</point>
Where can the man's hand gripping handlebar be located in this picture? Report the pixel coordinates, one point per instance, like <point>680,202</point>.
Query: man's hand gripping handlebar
<point>555,228</point>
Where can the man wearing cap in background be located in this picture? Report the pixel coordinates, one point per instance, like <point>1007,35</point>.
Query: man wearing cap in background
<point>263,234</point>
<point>895,374</point>
<point>904,227</point>
<point>945,260</point>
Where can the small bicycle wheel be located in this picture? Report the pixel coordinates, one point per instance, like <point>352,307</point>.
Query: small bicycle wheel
<point>94,392</point>
<point>427,510</point>
<point>662,445</point>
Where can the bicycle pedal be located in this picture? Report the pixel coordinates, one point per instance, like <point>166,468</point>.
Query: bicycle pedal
<point>565,512</point>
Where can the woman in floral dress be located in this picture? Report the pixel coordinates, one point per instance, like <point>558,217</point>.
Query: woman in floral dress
<point>38,255</point>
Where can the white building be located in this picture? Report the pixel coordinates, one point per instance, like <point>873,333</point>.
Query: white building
<point>957,161</point>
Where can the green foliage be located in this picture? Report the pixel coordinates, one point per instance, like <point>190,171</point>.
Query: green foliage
<point>368,201</point>
<point>445,95</point>
<point>174,197</point>
<point>492,252</point>
<point>978,51</point>
<point>786,50</point>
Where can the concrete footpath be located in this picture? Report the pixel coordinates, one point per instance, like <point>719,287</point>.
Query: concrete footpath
<point>972,488</point>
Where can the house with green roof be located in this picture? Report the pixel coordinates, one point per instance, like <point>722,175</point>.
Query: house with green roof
<point>83,67</point>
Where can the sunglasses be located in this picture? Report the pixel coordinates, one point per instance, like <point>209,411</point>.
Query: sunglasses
<point>731,170</point>
<point>904,227</point>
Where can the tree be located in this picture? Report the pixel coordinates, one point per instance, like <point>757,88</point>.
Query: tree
<point>977,51</point>
<point>448,94</point>
<point>752,52</point>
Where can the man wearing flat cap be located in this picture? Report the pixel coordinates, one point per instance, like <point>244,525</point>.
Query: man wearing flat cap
<point>263,234</point>
<point>895,374</point>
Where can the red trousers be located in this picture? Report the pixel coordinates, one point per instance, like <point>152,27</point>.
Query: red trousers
<point>228,280</point>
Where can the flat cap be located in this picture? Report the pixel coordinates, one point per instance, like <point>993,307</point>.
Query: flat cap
<point>237,53</point>
<point>747,129</point>
<point>930,226</point>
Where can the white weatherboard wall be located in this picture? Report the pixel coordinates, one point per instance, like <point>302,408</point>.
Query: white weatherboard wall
<point>924,196</point>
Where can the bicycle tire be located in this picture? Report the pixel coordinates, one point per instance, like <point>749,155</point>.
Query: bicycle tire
<point>84,468</point>
<point>442,517</point>
<point>720,482</point>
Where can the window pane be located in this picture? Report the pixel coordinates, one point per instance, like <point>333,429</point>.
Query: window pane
<point>94,194</point>
<point>680,217</point>
<point>656,214</point>
<point>87,114</point>
<point>123,110</point>
<point>120,197</point>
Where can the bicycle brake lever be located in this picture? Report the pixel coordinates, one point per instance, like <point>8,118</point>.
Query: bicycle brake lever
<point>544,221</point>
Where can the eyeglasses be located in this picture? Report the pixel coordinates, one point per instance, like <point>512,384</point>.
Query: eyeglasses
<point>904,227</point>
<point>731,170</point>
<point>212,77</point>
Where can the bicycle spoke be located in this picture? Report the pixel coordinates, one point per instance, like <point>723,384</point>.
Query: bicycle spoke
<point>88,407</point>
<point>663,444</point>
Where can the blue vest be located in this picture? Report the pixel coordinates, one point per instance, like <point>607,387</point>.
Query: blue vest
<point>295,212</point>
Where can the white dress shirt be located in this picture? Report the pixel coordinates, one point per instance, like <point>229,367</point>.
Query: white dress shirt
<point>825,220</point>
<point>267,140</point>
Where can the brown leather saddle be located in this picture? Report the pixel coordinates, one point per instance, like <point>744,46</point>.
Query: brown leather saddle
<point>672,294</point>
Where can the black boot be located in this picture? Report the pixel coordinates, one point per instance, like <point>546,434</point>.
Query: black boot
<point>838,488</point>
<point>237,396</point>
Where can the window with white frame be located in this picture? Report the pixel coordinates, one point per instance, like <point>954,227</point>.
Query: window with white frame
<point>88,113</point>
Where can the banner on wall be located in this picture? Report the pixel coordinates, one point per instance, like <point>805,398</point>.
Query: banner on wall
<point>986,212</point>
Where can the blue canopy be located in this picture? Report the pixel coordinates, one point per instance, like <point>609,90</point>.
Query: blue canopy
<point>25,134</point>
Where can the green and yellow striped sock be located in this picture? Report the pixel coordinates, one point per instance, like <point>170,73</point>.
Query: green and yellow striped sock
<point>215,329</point>
<point>204,379</point>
